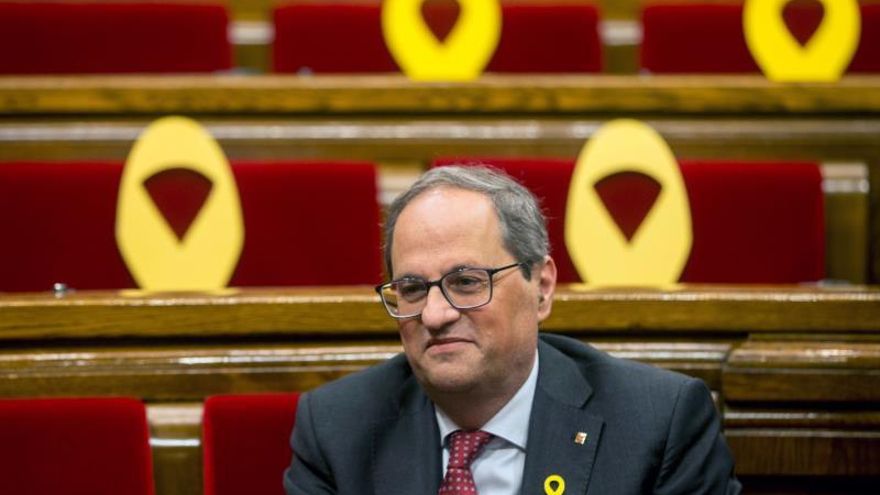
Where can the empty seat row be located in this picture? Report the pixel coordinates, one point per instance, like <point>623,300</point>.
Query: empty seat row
<point>101,446</point>
<point>305,223</point>
<point>318,223</point>
<point>61,38</point>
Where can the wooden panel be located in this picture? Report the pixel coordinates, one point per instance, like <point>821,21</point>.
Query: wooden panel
<point>874,214</point>
<point>186,371</point>
<point>308,312</point>
<point>414,144</point>
<point>846,190</point>
<point>820,441</point>
<point>175,437</point>
<point>193,95</point>
<point>420,139</point>
<point>779,371</point>
<point>800,453</point>
<point>190,371</point>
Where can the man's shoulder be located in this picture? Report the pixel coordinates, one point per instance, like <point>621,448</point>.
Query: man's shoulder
<point>602,369</point>
<point>372,388</point>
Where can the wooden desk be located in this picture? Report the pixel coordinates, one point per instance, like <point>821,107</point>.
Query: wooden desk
<point>795,369</point>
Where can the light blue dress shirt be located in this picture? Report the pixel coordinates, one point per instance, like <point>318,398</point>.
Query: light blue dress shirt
<point>498,468</point>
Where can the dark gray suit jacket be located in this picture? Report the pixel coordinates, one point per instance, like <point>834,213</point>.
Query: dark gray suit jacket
<point>648,431</point>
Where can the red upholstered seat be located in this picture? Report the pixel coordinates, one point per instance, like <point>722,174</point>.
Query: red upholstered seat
<point>68,38</point>
<point>347,38</point>
<point>245,442</point>
<point>309,223</point>
<point>98,446</point>
<point>709,38</point>
<point>752,222</point>
<point>306,223</point>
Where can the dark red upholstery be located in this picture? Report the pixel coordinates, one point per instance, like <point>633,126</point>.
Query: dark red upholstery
<point>752,222</point>
<point>58,223</point>
<point>306,223</point>
<point>347,38</point>
<point>709,38</point>
<point>95,446</point>
<point>867,57</point>
<point>309,223</point>
<point>67,38</point>
<point>245,441</point>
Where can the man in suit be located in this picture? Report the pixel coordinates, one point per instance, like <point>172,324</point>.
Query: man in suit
<point>480,402</point>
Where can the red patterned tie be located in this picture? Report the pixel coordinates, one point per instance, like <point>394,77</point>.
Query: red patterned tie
<point>465,445</point>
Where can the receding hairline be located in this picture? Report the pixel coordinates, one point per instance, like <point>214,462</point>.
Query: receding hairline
<point>441,187</point>
<point>522,222</point>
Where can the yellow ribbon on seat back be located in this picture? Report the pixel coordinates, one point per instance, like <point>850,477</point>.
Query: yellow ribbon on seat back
<point>206,257</point>
<point>462,56</point>
<point>659,249</point>
<point>826,55</point>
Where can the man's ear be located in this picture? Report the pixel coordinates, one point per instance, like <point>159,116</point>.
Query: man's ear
<point>546,286</point>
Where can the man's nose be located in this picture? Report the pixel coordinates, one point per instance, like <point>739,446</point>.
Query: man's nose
<point>438,312</point>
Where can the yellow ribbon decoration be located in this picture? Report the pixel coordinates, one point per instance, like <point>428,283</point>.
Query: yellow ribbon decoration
<point>826,55</point>
<point>461,57</point>
<point>659,249</point>
<point>548,485</point>
<point>206,257</point>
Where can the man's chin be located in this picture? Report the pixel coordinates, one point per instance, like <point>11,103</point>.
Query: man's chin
<point>448,382</point>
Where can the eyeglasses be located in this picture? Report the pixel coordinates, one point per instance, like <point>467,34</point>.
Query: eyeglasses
<point>465,288</point>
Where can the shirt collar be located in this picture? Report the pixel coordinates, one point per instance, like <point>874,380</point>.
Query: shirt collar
<point>511,423</point>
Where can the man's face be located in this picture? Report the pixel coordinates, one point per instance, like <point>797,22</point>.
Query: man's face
<point>489,349</point>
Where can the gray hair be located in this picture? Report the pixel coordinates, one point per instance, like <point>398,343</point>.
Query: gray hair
<point>523,226</point>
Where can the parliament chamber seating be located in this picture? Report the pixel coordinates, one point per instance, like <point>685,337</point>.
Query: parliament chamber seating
<point>793,368</point>
<point>245,442</point>
<point>104,38</point>
<point>94,446</point>
<point>306,223</point>
<point>684,37</point>
<point>753,222</point>
<point>347,38</point>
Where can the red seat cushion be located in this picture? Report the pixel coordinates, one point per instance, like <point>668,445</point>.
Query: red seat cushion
<point>709,38</point>
<point>67,38</point>
<point>347,38</point>
<point>98,446</point>
<point>306,223</point>
<point>752,222</point>
<point>245,441</point>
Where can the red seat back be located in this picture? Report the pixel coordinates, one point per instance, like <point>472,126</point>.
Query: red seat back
<point>68,38</point>
<point>709,38</point>
<point>752,222</point>
<point>245,440</point>
<point>306,223</point>
<point>98,446</point>
<point>347,38</point>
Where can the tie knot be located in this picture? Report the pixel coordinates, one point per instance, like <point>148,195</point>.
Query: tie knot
<point>465,445</point>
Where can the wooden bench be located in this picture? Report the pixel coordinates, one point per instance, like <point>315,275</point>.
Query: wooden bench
<point>403,126</point>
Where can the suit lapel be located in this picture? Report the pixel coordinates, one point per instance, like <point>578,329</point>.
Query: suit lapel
<point>558,416</point>
<point>406,448</point>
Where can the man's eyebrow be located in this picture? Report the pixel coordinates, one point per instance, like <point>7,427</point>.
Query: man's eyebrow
<point>456,268</point>
<point>460,267</point>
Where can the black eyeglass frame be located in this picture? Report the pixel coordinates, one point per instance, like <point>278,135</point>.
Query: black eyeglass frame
<point>439,283</point>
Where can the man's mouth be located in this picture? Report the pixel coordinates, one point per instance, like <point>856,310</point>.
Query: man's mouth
<point>446,344</point>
